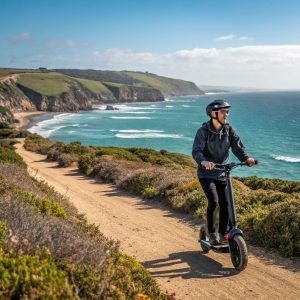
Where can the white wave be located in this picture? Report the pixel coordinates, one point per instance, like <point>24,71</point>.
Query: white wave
<point>132,118</point>
<point>136,112</point>
<point>136,131</point>
<point>148,135</point>
<point>286,158</point>
<point>169,106</point>
<point>185,105</point>
<point>45,132</point>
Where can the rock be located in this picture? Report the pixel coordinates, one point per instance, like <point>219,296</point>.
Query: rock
<point>110,107</point>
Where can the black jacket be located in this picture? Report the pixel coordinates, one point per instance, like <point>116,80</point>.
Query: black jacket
<point>212,145</point>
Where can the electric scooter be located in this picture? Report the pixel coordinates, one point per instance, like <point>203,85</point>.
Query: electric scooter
<point>236,244</point>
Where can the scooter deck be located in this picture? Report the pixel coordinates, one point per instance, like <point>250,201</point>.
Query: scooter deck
<point>217,248</point>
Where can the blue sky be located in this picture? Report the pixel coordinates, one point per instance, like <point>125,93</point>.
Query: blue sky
<point>226,42</point>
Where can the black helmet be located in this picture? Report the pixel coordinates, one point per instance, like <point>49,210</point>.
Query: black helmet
<point>216,105</point>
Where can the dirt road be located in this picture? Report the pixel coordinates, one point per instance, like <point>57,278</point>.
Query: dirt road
<point>166,242</point>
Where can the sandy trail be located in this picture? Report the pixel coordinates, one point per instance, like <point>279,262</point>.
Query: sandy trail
<point>166,242</point>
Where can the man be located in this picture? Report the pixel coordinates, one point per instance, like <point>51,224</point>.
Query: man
<point>211,146</point>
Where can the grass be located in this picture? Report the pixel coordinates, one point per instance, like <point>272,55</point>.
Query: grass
<point>49,84</point>
<point>94,86</point>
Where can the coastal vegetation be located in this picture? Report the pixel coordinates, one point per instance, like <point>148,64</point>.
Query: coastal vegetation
<point>168,86</point>
<point>47,248</point>
<point>269,214</point>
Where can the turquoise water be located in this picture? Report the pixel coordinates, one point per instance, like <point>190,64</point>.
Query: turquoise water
<point>267,122</point>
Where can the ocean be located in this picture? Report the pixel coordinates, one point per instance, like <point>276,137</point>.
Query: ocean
<point>267,122</point>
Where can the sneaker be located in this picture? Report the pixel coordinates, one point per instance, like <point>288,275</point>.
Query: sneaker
<point>213,239</point>
<point>222,239</point>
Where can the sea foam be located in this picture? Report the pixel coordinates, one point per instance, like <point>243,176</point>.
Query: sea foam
<point>287,158</point>
<point>148,135</point>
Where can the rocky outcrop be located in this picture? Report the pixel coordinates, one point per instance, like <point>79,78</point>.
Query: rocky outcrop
<point>6,115</point>
<point>13,98</point>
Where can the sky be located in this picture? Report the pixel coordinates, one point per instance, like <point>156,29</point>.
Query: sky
<point>238,43</point>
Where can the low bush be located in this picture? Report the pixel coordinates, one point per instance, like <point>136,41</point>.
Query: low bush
<point>285,186</point>
<point>66,159</point>
<point>275,226</point>
<point>9,156</point>
<point>121,153</point>
<point>131,279</point>
<point>38,144</point>
<point>45,206</point>
<point>28,277</point>
<point>3,233</point>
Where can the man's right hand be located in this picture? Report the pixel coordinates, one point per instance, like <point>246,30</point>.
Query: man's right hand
<point>208,165</point>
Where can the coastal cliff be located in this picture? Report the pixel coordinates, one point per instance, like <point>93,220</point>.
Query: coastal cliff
<point>75,90</point>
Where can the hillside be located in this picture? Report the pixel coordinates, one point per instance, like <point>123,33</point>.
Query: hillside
<point>168,86</point>
<point>74,90</point>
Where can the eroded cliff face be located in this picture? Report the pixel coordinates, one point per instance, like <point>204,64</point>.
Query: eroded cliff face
<point>73,100</point>
<point>13,98</point>
<point>17,97</point>
<point>135,94</point>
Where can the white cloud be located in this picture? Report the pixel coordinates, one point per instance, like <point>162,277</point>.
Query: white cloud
<point>22,37</point>
<point>228,37</point>
<point>264,66</point>
<point>231,37</point>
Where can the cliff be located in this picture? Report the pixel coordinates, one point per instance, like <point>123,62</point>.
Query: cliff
<point>74,90</point>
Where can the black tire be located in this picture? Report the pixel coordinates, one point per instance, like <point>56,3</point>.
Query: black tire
<point>239,253</point>
<point>203,236</point>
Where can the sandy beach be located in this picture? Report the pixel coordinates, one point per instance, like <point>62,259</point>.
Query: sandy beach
<point>26,119</point>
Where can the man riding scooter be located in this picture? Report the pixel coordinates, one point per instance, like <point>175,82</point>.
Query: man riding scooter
<point>211,146</point>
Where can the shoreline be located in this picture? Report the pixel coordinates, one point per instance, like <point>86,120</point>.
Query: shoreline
<point>28,119</point>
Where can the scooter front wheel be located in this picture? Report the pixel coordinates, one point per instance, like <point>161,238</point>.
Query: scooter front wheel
<point>239,253</point>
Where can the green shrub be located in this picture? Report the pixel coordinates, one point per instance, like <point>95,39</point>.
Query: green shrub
<point>275,226</point>
<point>3,233</point>
<point>150,192</point>
<point>285,186</point>
<point>36,143</point>
<point>8,143</point>
<point>3,125</point>
<point>11,157</point>
<point>137,183</point>
<point>45,206</point>
<point>28,277</point>
<point>66,159</point>
<point>121,153</point>
<point>130,279</point>
<point>86,163</point>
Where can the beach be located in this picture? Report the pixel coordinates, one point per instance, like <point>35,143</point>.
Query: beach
<point>27,119</point>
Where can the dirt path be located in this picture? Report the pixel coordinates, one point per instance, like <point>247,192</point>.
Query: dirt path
<point>166,243</point>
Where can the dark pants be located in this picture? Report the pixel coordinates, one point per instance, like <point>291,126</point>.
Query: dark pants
<point>216,193</point>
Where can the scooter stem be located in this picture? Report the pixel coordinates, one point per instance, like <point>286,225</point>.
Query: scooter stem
<point>231,205</point>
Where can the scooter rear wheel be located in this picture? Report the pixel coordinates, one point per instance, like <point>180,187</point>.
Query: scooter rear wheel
<point>239,253</point>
